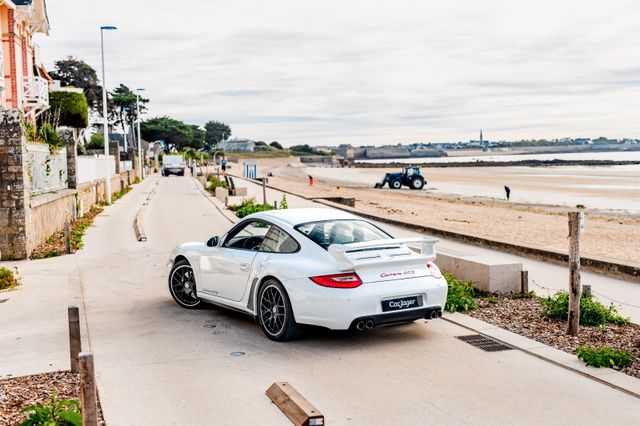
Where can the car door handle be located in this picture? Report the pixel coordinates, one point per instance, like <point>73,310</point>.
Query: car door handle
<point>244,267</point>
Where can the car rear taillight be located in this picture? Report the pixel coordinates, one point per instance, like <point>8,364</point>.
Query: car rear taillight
<point>349,280</point>
<point>435,271</point>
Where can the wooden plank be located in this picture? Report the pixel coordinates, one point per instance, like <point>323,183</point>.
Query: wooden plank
<point>88,393</point>
<point>75,343</point>
<point>294,405</point>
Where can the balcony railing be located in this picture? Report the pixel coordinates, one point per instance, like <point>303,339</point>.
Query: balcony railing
<point>36,93</point>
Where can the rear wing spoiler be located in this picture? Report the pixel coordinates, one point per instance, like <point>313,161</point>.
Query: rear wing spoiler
<point>426,248</point>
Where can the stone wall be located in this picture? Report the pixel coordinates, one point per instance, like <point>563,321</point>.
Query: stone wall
<point>14,187</point>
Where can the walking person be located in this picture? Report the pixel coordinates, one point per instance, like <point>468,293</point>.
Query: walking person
<point>223,163</point>
<point>507,191</point>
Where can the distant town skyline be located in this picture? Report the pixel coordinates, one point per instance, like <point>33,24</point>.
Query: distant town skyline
<point>371,73</point>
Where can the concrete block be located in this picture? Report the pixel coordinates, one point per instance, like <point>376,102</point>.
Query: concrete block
<point>222,194</point>
<point>487,273</point>
<point>232,201</point>
<point>241,191</point>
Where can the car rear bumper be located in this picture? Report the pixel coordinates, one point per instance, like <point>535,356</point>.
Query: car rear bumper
<point>398,317</point>
<point>339,308</point>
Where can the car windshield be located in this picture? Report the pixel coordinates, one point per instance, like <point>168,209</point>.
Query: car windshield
<point>330,232</point>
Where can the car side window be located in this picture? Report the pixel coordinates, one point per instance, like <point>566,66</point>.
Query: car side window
<point>278,241</point>
<point>248,237</point>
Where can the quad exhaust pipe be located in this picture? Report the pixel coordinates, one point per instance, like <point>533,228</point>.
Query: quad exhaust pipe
<point>436,314</point>
<point>370,324</point>
<point>360,325</point>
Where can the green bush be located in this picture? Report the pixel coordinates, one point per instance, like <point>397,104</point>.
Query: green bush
<point>604,357</point>
<point>8,278</point>
<point>65,412</point>
<point>460,296</point>
<point>214,183</point>
<point>592,312</point>
<point>72,107</point>
<point>49,135</point>
<point>96,141</point>
<point>249,206</point>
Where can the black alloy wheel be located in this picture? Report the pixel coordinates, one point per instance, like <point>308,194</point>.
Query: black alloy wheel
<point>182,285</point>
<point>275,314</point>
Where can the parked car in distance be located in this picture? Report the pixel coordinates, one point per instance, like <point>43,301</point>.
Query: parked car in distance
<point>320,267</point>
<point>173,165</point>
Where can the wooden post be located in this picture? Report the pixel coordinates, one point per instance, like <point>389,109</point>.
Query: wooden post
<point>524,282</point>
<point>574,273</point>
<point>294,405</point>
<point>88,394</point>
<point>264,191</point>
<point>67,236</point>
<point>75,344</point>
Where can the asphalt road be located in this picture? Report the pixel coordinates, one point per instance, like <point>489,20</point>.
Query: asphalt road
<point>158,364</point>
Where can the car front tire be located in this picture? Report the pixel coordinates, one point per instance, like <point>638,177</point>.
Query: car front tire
<point>182,285</point>
<point>275,314</point>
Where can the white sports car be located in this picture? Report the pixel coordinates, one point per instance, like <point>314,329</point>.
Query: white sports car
<point>319,267</point>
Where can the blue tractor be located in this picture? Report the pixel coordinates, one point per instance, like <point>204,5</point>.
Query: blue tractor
<point>410,176</point>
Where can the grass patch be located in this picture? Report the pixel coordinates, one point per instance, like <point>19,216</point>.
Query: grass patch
<point>55,245</point>
<point>249,206</point>
<point>592,312</point>
<point>213,182</point>
<point>461,294</point>
<point>9,278</point>
<point>604,357</point>
<point>116,196</point>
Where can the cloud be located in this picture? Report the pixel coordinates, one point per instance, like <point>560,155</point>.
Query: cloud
<point>374,72</point>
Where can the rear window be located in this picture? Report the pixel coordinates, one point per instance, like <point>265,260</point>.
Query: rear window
<point>330,232</point>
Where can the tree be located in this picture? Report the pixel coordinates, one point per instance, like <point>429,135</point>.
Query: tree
<point>72,108</point>
<point>216,132</point>
<point>125,107</point>
<point>276,145</point>
<point>302,149</point>
<point>175,134</point>
<point>75,72</point>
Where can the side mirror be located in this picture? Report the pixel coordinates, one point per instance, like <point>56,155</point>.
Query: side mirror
<point>213,242</point>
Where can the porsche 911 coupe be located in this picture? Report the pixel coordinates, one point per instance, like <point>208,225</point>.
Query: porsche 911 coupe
<point>320,267</point>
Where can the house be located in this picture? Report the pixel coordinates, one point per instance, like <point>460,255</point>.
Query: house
<point>235,145</point>
<point>25,83</point>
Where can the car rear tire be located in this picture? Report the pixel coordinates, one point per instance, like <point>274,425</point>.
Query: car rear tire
<point>417,183</point>
<point>182,285</point>
<point>395,184</point>
<point>275,314</point>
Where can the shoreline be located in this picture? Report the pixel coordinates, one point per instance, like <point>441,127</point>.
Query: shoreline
<point>517,163</point>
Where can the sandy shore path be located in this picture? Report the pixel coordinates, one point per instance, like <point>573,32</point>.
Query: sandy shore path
<point>610,236</point>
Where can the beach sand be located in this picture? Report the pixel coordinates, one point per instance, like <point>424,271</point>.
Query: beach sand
<point>608,234</point>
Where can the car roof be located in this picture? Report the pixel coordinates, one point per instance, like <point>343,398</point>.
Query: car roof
<point>297,216</point>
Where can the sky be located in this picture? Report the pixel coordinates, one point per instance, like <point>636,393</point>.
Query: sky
<point>369,72</point>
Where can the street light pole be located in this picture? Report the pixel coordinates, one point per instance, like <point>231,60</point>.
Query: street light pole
<point>105,117</point>
<point>140,162</point>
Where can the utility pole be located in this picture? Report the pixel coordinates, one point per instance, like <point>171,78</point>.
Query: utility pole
<point>107,180</point>
<point>575,219</point>
<point>140,160</point>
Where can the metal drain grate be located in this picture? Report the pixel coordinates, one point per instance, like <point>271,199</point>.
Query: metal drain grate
<point>484,343</point>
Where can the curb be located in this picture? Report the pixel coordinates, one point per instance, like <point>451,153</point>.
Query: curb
<point>139,220</point>
<point>609,377</point>
<point>602,265</point>
<point>217,204</point>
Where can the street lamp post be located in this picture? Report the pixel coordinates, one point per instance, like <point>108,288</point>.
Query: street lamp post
<point>104,114</point>
<point>140,162</point>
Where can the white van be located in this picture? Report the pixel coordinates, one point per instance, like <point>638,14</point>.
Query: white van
<point>173,165</point>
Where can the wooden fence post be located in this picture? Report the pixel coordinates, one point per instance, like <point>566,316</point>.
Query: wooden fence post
<point>524,282</point>
<point>67,236</point>
<point>264,191</point>
<point>75,344</point>
<point>88,394</point>
<point>574,273</point>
